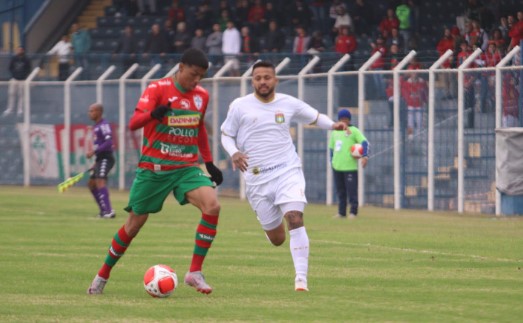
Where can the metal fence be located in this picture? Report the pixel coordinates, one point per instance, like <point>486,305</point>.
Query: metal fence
<point>446,164</point>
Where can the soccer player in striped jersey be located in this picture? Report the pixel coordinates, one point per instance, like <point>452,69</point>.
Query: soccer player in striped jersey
<point>104,161</point>
<point>256,135</point>
<point>171,112</point>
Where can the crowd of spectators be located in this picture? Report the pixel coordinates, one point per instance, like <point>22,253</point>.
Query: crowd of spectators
<point>248,28</point>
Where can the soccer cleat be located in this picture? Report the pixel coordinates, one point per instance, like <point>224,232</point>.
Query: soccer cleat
<point>339,216</point>
<point>300,285</point>
<point>110,215</point>
<point>352,216</point>
<point>197,280</point>
<point>97,286</point>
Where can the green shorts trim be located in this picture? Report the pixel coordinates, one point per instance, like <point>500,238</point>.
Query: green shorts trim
<point>150,189</point>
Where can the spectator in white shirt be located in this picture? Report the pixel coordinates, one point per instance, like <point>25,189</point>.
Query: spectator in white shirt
<point>231,45</point>
<point>63,49</point>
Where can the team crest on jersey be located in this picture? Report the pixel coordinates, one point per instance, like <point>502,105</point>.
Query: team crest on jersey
<point>279,117</point>
<point>185,104</point>
<point>198,101</point>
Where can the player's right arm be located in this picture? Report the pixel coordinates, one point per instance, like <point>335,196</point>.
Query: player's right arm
<point>229,130</point>
<point>146,104</point>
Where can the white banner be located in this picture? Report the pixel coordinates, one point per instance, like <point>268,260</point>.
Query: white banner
<point>42,149</point>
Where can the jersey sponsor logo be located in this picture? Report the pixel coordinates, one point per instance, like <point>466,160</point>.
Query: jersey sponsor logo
<point>182,132</point>
<point>174,151</point>
<point>183,121</point>
<point>279,117</point>
<point>198,101</point>
<point>172,99</point>
<point>259,170</point>
<point>185,104</point>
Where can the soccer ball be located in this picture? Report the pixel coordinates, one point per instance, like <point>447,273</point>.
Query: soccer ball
<point>356,151</point>
<point>160,281</point>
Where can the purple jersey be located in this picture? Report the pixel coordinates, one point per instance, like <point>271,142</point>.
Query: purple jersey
<point>103,138</point>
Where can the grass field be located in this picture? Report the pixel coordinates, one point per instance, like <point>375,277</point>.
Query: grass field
<point>408,266</point>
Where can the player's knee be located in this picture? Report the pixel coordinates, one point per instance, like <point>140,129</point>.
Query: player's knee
<point>212,207</point>
<point>277,241</point>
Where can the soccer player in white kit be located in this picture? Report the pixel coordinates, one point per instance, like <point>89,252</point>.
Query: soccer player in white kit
<point>256,136</point>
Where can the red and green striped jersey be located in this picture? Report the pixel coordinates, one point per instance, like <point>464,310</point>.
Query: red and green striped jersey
<point>175,141</point>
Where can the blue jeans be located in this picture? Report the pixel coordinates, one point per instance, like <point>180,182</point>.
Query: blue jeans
<point>346,187</point>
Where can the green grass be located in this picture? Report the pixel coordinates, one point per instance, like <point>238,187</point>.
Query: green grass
<point>393,266</point>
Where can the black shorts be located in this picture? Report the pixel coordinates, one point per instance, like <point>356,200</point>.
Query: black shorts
<point>102,166</point>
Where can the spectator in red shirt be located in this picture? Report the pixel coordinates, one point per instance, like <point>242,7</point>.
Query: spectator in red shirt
<point>510,97</point>
<point>487,79</point>
<point>256,17</point>
<point>447,42</point>
<point>497,39</point>
<point>390,21</point>
<point>414,91</point>
<point>470,100</point>
<point>345,41</point>
<point>175,13</point>
<point>379,64</point>
<point>516,32</point>
<point>394,58</point>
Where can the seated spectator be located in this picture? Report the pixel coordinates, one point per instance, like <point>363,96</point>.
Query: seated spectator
<point>316,44</point>
<point>182,39</point>
<point>198,41</point>
<point>301,41</point>
<point>274,39</point>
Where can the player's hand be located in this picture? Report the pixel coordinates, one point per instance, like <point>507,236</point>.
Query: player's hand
<point>160,112</point>
<point>339,126</point>
<point>215,172</point>
<point>239,161</point>
<point>364,161</point>
<point>89,154</point>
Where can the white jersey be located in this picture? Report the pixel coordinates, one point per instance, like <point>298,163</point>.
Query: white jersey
<point>262,133</point>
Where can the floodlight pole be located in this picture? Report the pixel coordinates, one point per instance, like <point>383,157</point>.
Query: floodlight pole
<point>461,130</point>
<point>122,125</point>
<point>26,140</point>
<point>431,121</point>
<point>99,83</point>
<point>499,107</point>
<point>66,141</point>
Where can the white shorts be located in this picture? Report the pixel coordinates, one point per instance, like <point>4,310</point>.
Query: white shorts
<point>271,200</point>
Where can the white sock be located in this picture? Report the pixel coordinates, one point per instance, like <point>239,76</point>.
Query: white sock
<point>299,245</point>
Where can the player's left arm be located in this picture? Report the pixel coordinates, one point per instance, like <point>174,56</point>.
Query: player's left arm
<point>108,138</point>
<point>307,113</point>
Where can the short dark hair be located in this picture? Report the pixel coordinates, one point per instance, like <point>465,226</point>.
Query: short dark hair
<point>194,56</point>
<point>263,64</point>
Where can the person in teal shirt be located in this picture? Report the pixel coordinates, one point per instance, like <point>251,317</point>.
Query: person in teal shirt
<point>345,166</point>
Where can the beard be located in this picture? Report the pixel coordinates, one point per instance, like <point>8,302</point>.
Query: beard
<point>265,94</point>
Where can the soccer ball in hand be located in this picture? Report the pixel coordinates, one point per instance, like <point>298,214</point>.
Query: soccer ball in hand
<point>160,281</point>
<point>356,151</point>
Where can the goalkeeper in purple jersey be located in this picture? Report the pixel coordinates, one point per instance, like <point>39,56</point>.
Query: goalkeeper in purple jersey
<point>104,160</point>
